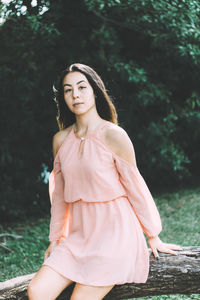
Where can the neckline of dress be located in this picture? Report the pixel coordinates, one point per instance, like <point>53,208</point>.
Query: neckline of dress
<point>90,135</point>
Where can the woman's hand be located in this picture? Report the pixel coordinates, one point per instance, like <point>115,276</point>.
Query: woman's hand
<point>50,249</point>
<point>157,245</point>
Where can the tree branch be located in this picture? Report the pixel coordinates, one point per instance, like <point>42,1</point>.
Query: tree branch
<point>170,275</point>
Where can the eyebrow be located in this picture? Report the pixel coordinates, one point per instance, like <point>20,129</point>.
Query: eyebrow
<point>67,84</point>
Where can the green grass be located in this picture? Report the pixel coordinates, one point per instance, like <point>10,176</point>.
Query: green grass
<point>180,214</point>
<point>27,253</point>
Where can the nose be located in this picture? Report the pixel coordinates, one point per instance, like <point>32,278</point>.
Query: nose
<point>75,93</point>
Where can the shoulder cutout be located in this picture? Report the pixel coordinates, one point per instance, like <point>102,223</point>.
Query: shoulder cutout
<point>117,139</point>
<point>58,139</point>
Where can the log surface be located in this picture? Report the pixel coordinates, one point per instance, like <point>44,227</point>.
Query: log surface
<point>170,275</point>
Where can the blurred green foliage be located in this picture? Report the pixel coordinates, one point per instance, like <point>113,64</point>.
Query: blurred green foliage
<point>148,54</point>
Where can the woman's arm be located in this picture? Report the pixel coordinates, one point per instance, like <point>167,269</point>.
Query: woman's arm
<point>56,193</point>
<point>138,193</point>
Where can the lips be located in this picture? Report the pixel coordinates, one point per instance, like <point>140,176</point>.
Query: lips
<point>75,104</point>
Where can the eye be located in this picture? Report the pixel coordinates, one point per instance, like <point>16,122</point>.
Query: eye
<point>67,90</point>
<point>82,87</point>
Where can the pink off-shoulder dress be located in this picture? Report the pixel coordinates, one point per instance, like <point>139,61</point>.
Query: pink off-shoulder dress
<point>100,209</point>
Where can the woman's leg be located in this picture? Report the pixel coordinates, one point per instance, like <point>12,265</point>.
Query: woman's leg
<point>86,292</point>
<point>47,284</point>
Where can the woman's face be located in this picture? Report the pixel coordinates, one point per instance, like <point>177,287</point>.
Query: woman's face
<point>78,93</point>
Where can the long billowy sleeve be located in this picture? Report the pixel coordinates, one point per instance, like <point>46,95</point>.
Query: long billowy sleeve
<point>139,197</point>
<point>58,205</point>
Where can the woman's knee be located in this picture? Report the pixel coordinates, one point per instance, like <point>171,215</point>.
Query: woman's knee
<point>46,284</point>
<point>37,291</point>
<point>33,291</point>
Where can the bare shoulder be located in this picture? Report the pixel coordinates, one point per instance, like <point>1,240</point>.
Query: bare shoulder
<point>117,139</point>
<point>58,139</point>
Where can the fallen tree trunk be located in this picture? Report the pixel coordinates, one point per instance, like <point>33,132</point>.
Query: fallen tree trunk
<point>170,275</point>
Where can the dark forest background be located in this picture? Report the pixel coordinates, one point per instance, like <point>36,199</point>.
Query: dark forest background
<point>147,53</point>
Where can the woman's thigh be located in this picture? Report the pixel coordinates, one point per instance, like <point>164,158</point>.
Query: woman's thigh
<point>87,292</point>
<point>47,284</point>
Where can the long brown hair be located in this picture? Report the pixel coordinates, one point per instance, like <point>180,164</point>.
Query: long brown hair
<point>104,102</point>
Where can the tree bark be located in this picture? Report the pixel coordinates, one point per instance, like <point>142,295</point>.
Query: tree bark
<point>170,275</point>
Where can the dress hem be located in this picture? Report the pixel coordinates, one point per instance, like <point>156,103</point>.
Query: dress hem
<point>89,283</point>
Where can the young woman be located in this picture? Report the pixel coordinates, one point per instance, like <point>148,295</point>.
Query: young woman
<point>100,204</point>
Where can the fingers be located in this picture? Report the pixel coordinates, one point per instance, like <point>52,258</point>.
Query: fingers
<point>157,245</point>
<point>48,251</point>
<point>174,247</point>
<point>168,251</point>
<point>155,252</point>
<point>46,255</point>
